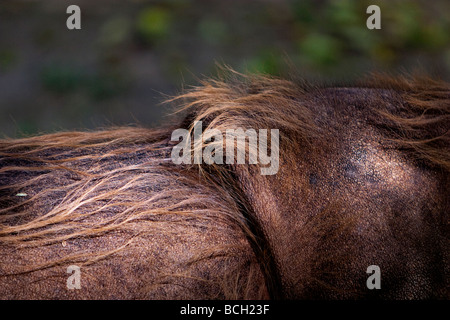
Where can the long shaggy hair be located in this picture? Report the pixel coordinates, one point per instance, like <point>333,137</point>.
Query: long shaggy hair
<point>87,198</point>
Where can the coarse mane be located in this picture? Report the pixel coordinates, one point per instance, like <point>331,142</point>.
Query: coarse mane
<point>420,124</point>
<point>78,185</point>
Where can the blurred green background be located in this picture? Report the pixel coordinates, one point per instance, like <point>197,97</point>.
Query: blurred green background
<point>131,55</point>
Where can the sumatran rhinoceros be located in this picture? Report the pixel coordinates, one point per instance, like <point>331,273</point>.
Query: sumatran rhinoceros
<point>357,207</point>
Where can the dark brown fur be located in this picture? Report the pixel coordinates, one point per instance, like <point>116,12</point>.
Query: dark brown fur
<point>363,179</point>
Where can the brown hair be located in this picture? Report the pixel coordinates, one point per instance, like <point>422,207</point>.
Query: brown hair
<point>82,186</point>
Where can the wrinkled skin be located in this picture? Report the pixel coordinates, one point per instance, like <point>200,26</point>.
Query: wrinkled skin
<point>335,207</point>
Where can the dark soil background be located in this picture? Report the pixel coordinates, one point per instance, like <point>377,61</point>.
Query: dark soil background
<point>131,55</point>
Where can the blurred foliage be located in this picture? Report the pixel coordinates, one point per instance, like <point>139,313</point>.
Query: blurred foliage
<point>267,62</point>
<point>130,51</point>
<point>153,23</point>
<point>115,31</point>
<point>320,49</point>
<point>213,30</point>
<point>7,59</point>
<point>61,79</point>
